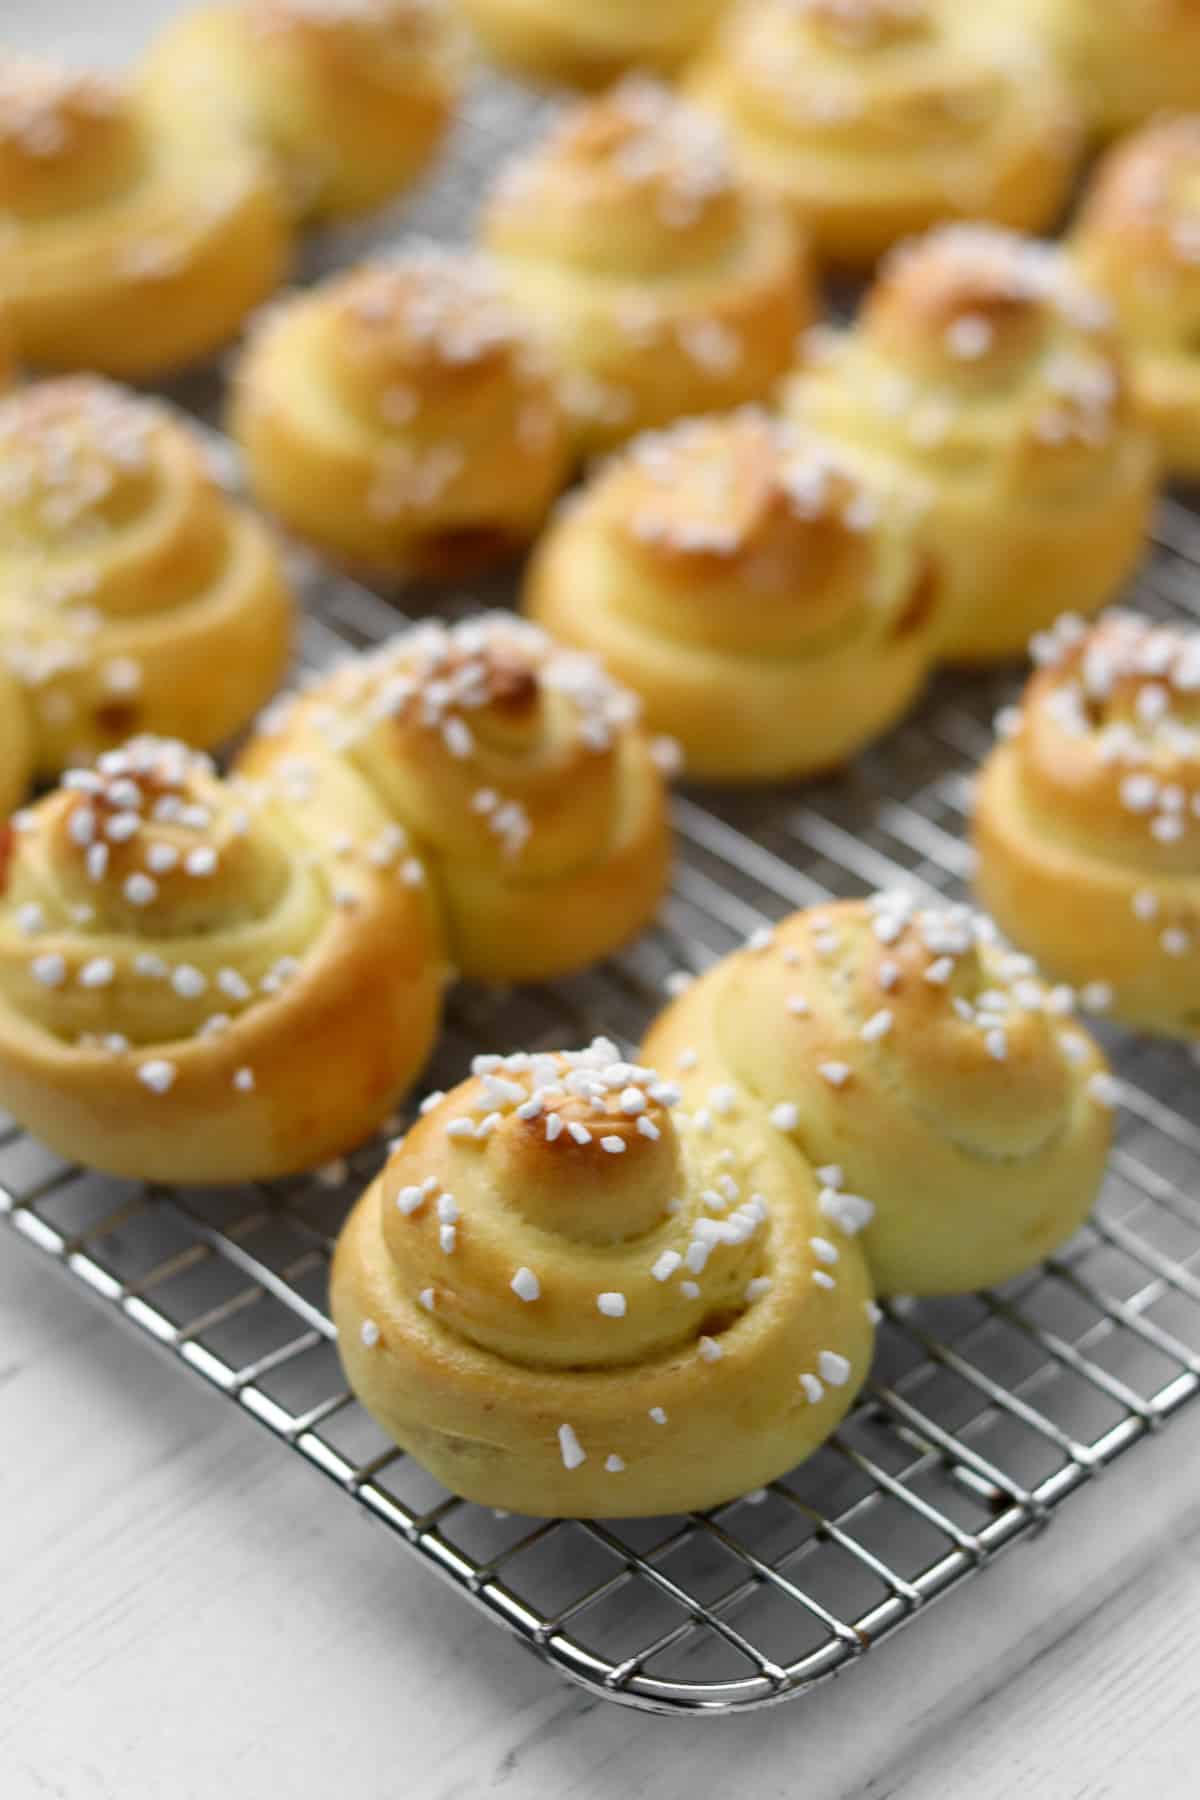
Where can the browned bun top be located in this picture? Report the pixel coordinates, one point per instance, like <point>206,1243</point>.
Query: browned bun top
<point>67,140</point>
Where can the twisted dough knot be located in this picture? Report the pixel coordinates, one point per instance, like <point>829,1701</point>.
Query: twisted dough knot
<point>120,562</point>
<point>170,947</point>
<point>67,140</point>
<point>559,1280</point>
<point>517,768</point>
<point>866,24</point>
<point>916,1063</point>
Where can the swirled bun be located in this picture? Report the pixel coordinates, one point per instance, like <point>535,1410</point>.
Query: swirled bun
<point>661,283</point>
<point>196,984</point>
<point>400,418</point>
<point>952,1114</point>
<point>1138,242</point>
<point>590,42</point>
<point>772,610</point>
<point>1126,59</point>
<point>16,745</point>
<point>517,770</point>
<point>985,377</point>
<point>563,1297</point>
<point>351,98</point>
<point>1087,818</point>
<point>876,119</point>
<point>134,595</point>
<point>135,237</point>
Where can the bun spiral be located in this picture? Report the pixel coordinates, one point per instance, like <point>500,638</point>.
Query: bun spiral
<point>590,42</point>
<point>136,236</point>
<point>1126,59</point>
<point>769,607</point>
<point>878,118</point>
<point>134,596</point>
<point>920,1068</point>
<point>1138,242</point>
<point>516,769</point>
<point>564,1296</point>
<point>196,984</point>
<point>400,418</point>
<point>660,282</point>
<point>984,377</point>
<point>351,98</point>
<point>1087,818</point>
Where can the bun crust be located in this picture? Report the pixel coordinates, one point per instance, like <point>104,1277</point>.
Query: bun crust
<point>1126,59</point>
<point>588,43</point>
<point>16,746</point>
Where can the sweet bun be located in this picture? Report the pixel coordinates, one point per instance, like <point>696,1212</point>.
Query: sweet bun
<point>136,236</point>
<point>953,1116</point>
<point>1138,242</point>
<point>1126,59</point>
<point>876,119</point>
<point>985,377</point>
<point>1087,818</point>
<point>400,418</point>
<point>661,283</point>
<point>134,595</point>
<point>564,1297</point>
<point>772,610</point>
<point>16,745</point>
<point>590,42</point>
<point>517,770</point>
<point>195,986</point>
<point>351,98</point>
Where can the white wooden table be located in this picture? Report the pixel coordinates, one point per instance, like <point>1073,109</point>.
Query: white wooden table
<point>189,1613</point>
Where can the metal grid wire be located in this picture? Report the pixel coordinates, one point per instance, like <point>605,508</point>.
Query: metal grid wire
<point>983,1414</point>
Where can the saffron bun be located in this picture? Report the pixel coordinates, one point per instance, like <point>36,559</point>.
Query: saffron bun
<point>136,236</point>
<point>985,377</point>
<point>562,1297</point>
<point>1126,60</point>
<point>135,596</point>
<point>876,119</point>
<point>953,1116</point>
<point>196,986</point>
<point>1087,818</point>
<point>588,43</point>
<point>773,611</point>
<point>1138,242</point>
<point>350,98</point>
<point>660,281</point>
<point>518,772</point>
<point>400,417</point>
<point>16,746</point>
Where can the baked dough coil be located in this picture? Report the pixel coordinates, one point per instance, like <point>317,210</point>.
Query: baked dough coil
<point>1138,242</point>
<point>401,418</point>
<point>195,985</point>
<point>921,1069</point>
<point>590,42</point>
<point>565,1296</point>
<point>1087,819</point>
<point>1126,60</point>
<point>350,99</point>
<point>876,119</point>
<point>134,595</point>
<point>769,607</point>
<point>660,282</point>
<point>135,236</point>
<point>985,378</point>
<point>517,770</point>
<point>16,744</point>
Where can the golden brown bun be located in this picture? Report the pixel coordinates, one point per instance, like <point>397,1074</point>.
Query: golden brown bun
<point>1087,818</point>
<point>921,1069</point>
<point>399,417</point>
<point>876,119</point>
<point>351,98</point>
<point>607,1381</point>
<point>984,377</point>
<point>771,610</point>
<point>590,42</point>
<point>135,236</point>
<point>8,350</point>
<point>517,770</point>
<point>661,283</point>
<point>134,596</point>
<point>1138,242</point>
<point>196,985</point>
<point>1126,59</point>
<point>16,745</point>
